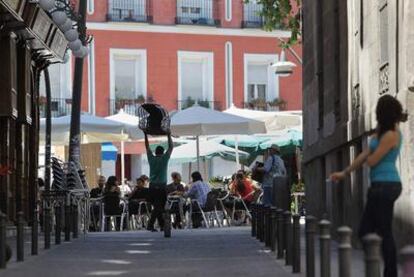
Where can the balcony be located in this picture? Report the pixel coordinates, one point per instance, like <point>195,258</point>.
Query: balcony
<point>59,106</point>
<point>195,12</point>
<point>184,104</point>
<point>251,15</point>
<point>263,105</point>
<point>128,11</point>
<point>129,106</point>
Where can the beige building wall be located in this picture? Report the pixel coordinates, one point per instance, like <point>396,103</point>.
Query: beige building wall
<point>381,60</point>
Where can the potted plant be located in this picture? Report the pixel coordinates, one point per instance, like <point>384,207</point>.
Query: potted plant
<point>258,104</point>
<point>278,102</point>
<point>140,99</point>
<point>204,103</point>
<point>189,102</point>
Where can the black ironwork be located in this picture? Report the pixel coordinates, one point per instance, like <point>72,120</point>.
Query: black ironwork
<point>20,237</point>
<point>288,237</point>
<point>58,107</point>
<point>310,245</point>
<point>251,15</point>
<point>129,106</point>
<point>254,219</point>
<point>273,222</point>
<point>196,12</point>
<point>58,225</point>
<point>128,10</point>
<point>184,104</point>
<point>35,232</point>
<point>280,234</point>
<point>296,244</point>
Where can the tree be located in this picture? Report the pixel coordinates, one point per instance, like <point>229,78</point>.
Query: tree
<point>276,12</point>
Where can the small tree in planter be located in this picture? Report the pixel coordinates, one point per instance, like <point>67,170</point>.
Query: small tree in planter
<point>204,103</point>
<point>278,102</point>
<point>140,99</point>
<point>189,102</point>
<point>258,104</point>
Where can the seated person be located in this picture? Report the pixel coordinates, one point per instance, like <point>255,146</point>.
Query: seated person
<point>112,197</point>
<point>176,188</point>
<point>98,191</point>
<point>95,207</point>
<point>244,188</point>
<point>139,194</point>
<point>198,191</point>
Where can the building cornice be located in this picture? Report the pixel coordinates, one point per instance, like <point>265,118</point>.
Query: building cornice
<point>184,29</point>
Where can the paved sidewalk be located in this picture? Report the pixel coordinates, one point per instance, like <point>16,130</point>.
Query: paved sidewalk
<point>201,252</point>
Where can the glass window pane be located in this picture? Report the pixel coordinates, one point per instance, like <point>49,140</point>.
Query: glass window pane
<point>125,78</point>
<point>192,80</point>
<point>261,92</point>
<point>250,92</point>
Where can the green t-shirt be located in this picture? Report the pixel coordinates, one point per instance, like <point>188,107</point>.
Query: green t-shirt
<point>158,168</point>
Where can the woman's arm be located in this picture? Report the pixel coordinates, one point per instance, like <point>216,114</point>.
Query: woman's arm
<point>388,141</point>
<point>358,162</point>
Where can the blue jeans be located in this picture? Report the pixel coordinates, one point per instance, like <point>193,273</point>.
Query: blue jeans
<point>267,195</point>
<point>377,218</point>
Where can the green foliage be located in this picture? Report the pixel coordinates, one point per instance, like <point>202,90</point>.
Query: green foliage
<point>280,12</point>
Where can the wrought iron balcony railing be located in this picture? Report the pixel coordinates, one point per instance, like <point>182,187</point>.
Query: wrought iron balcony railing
<point>195,12</point>
<point>184,104</point>
<point>128,10</point>
<point>59,106</point>
<point>251,15</point>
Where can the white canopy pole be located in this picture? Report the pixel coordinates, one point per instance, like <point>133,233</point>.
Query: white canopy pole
<point>236,145</point>
<point>198,152</point>
<point>122,161</point>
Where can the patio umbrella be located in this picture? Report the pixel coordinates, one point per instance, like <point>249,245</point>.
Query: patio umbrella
<point>130,123</point>
<point>94,129</point>
<point>198,121</point>
<point>273,120</point>
<point>208,149</point>
<point>287,140</point>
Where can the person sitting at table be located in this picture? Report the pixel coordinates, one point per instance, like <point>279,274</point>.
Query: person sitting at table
<point>243,187</point>
<point>138,195</point>
<point>98,191</point>
<point>112,198</point>
<point>198,191</point>
<point>176,189</point>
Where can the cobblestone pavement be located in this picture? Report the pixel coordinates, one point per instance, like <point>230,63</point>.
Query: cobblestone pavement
<point>201,252</point>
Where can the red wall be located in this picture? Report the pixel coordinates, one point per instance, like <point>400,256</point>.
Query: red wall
<point>162,65</point>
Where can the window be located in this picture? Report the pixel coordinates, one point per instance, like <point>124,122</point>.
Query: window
<point>228,10</point>
<point>199,12</point>
<point>60,80</point>
<point>257,82</point>
<point>260,81</point>
<point>195,78</point>
<point>91,6</point>
<point>383,18</point>
<point>128,74</point>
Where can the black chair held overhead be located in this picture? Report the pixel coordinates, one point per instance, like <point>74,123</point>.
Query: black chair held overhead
<point>153,119</point>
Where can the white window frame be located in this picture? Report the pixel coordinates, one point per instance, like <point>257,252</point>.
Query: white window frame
<point>139,53</point>
<point>207,58</point>
<point>272,88</point>
<point>91,6</point>
<point>228,10</point>
<point>91,79</point>
<point>229,73</point>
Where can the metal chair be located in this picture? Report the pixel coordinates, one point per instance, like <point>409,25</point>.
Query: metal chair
<point>141,218</point>
<point>124,214</point>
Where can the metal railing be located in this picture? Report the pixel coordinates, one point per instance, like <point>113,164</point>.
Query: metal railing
<point>129,106</point>
<point>59,107</point>
<point>262,106</point>
<point>128,10</point>
<point>184,104</point>
<point>195,12</point>
<point>251,15</point>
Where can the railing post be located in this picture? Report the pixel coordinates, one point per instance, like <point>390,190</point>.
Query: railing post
<point>67,218</point>
<point>75,220</point>
<point>407,256</point>
<point>58,226</point>
<point>35,232</point>
<point>280,234</point>
<point>325,247</point>
<point>20,237</point>
<point>47,224</point>
<point>310,245</point>
<point>268,226</point>
<point>288,237</point>
<point>372,245</point>
<point>3,258</point>
<point>273,222</point>
<point>167,223</point>
<point>296,244</point>
<point>254,220</point>
<point>263,223</point>
<point>258,216</point>
<point>345,249</point>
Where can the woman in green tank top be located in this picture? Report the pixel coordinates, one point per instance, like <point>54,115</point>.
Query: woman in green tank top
<point>385,187</point>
